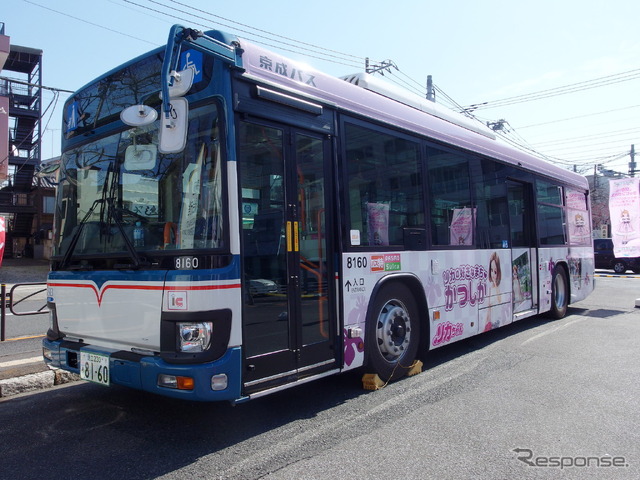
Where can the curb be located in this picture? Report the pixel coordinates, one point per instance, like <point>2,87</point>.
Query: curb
<point>610,275</point>
<point>35,381</point>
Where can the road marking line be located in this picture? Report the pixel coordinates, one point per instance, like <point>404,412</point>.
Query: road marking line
<point>550,331</point>
<point>24,338</point>
<point>607,275</point>
<point>24,361</point>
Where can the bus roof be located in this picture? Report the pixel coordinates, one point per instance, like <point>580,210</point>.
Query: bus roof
<point>375,99</point>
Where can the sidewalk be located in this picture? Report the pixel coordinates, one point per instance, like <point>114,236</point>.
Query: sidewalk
<point>24,371</point>
<point>23,270</point>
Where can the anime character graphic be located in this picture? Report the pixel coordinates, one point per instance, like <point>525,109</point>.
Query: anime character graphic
<point>517,287</point>
<point>495,276</point>
<point>521,283</point>
<point>625,228</point>
<point>579,229</point>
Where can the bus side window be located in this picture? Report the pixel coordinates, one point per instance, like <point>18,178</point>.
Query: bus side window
<point>493,210</point>
<point>385,187</point>
<point>452,215</point>
<point>551,213</point>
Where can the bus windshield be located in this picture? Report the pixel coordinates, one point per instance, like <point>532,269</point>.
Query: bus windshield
<point>119,192</point>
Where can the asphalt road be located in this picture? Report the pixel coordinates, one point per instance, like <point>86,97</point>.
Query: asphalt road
<point>537,399</point>
<point>21,352</point>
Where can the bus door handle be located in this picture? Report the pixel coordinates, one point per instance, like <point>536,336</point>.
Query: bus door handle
<point>293,240</point>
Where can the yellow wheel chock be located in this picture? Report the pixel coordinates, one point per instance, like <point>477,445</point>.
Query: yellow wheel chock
<point>371,381</point>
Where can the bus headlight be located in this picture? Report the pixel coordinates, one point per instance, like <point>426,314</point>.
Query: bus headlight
<point>194,337</point>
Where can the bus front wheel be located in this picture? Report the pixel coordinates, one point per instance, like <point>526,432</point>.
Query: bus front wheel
<point>393,332</point>
<point>559,293</point>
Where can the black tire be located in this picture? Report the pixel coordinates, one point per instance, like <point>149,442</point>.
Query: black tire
<point>619,266</point>
<point>559,293</point>
<point>392,332</point>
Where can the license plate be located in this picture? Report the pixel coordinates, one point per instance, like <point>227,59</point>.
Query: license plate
<point>94,367</point>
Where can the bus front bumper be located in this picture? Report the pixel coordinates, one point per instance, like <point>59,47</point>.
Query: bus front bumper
<point>211,381</point>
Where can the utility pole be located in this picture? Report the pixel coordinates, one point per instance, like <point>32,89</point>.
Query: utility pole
<point>632,163</point>
<point>431,94</point>
<point>379,67</point>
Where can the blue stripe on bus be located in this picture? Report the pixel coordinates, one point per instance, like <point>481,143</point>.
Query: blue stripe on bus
<point>143,374</point>
<point>99,278</point>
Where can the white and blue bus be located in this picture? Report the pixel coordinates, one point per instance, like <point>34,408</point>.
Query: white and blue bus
<point>231,223</point>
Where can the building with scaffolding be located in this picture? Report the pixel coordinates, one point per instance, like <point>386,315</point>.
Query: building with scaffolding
<point>25,201</point>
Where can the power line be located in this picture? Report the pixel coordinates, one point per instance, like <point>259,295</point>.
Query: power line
<point>289,44</point>
<point>298,49</point>
<point>611,158</point>
<point>578,117</point>
<point>267,32</point>
<point>137,10</point>
<point>580,159</point>
<point>393,77</point>
<point>582,138</point>
<point>414,85</point>
<point>90,23</point>
<point>562,90</point>
<point>520,143</point>
<point>455,104</point>
<point>13,80</point>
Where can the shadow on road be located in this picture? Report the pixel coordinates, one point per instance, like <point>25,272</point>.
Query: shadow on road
<point>89,431</point>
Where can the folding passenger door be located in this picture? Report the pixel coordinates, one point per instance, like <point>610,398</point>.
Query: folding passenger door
<point>524,254</point>
<point>284,175</point>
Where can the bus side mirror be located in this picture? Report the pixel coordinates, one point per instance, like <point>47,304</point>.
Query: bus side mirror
<point>174,123</point>
<point>173,128</point>
<point>182,82</point>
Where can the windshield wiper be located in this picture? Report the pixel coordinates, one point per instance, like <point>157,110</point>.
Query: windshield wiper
<point>108,217</point>
<point>76,236</point>
<point>105,223</point>
<point>137,260</point>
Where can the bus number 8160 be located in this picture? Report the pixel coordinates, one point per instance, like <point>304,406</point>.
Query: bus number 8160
<point>356,262</point>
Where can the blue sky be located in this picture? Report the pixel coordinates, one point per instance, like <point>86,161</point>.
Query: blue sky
<point>476,51</point>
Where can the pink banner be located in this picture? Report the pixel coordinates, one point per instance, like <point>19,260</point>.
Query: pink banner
<point>624,209</point>
<point>378,214</point>
<point>576,200</point>
<point>578,218</point>
<point>2,238</point>
<point>461,231</point>
<point>4,137</point>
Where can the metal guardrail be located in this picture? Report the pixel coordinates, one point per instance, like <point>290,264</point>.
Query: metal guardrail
<point>9,301</point>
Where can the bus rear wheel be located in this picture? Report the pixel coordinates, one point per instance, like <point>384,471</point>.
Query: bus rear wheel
<point>559,293</point>
<point>393,332</point>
